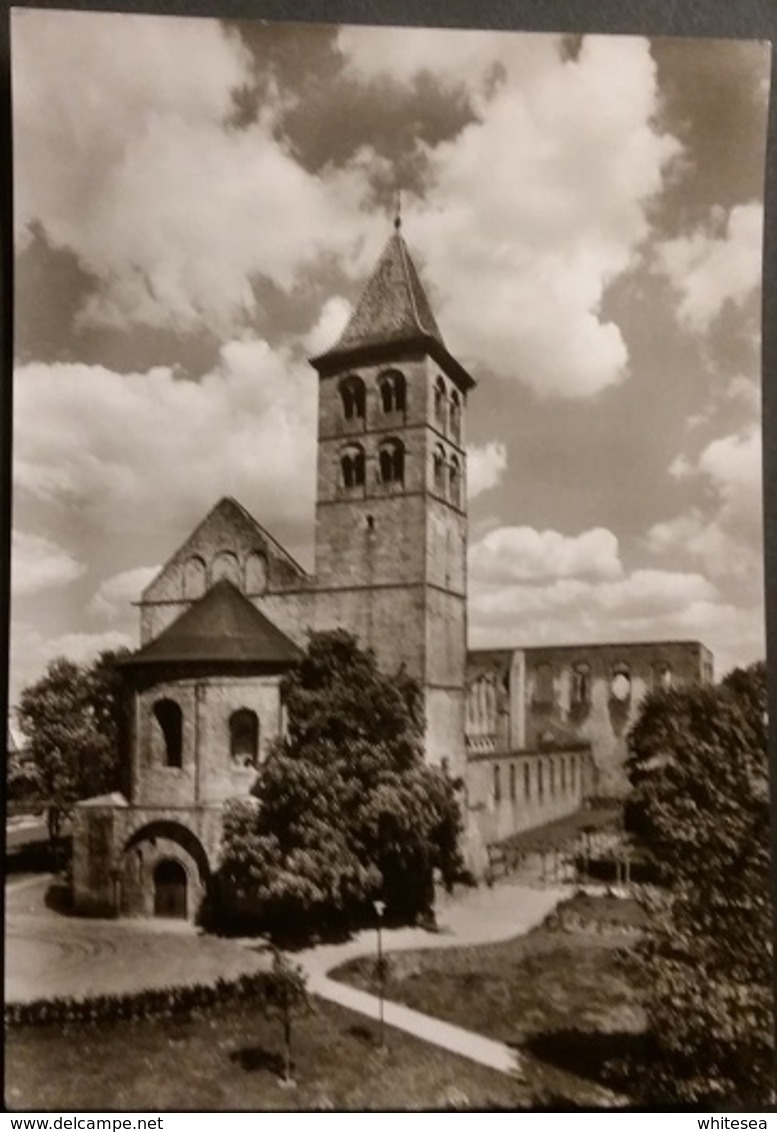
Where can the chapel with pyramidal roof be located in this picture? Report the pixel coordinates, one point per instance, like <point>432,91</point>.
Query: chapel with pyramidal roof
<point>530,732</point>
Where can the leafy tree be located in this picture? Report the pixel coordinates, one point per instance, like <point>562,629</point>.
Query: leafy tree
<point>347,811</point>
<point>71,722</point>
<point>701,805</point>
<point>286,995</point>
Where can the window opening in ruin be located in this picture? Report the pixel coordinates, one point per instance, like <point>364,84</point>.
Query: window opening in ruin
<point>170,719</point>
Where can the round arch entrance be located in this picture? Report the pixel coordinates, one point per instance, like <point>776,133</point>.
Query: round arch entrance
<point>170,888</point>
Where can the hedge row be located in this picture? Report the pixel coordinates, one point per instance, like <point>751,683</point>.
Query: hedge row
<point>165,1002</point>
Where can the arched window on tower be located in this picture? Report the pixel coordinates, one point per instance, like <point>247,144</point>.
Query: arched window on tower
<point>440,404</point>
<point>455,416</point>
<point>244,737</point>
<point>194,578</point>
<point>391,461</point>
<point>170,719</point>
<point>392,391</point>
<point>352,465</point>
<point>354,397</point>
<point>439,470</point>
<point>454,482</point>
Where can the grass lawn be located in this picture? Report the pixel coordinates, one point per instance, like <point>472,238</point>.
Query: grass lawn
<point>229,1059</point>
<point>565,996</point>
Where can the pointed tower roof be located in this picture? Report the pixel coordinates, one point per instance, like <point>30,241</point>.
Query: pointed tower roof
<point>222,627</point>
<point>393,311</point>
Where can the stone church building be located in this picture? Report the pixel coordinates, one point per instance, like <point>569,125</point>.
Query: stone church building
<point>531,732</point>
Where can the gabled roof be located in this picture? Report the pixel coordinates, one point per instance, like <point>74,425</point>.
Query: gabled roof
<point>393,310</point>
<point>223,626</point>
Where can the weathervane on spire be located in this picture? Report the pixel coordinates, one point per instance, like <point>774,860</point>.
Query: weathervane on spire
<point>398,211</point>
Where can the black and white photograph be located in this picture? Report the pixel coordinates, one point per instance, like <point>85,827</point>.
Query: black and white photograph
<point>387,690</point>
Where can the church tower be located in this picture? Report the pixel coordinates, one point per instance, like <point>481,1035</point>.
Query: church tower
<point>391,519</point>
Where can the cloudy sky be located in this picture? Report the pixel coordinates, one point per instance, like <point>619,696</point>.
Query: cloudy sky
<point>197,205</point>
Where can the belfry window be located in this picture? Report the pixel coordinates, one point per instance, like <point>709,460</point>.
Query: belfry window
<point>526,781</point>
<point>391,461</point>
<point>244,737</point>
<point>392,391</point>
<point>352,465</point>
<point>497,786</point>
<point>439,470</point>
<point>440,404</point>
<point>455,416</point>
<point>454,482</point>
<point>354,398</point>
<point>170,719</point>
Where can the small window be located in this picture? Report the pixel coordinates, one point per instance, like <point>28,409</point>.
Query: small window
<point>497,785</point>
<point>440,404</point>
<point>391,461</point>
<point>581,683</point>
<point>170,719</point>
<point>392,391</point>
<point>662,676</point>
<point>194,578</point>
<point>454,482</point>
<point>540,781</point>
<point>512,782</point>
<point>527,781</point>
<point>620,687</point>
<point>439,470</point>
<point>244,737</point>
<point>455,416</point>
<point>354,397</point>
<point>353,466</point>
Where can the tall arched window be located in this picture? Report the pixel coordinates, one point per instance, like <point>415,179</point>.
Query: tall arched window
<point>391,461</point>
<point>226,565</point>
<point>244,737</point>
<point>194,578</point>
<point>581,683</point>
<point>497,785</point>
<point>352,465</point>
<point>540,782</point>
<point>620,688</point>
<point>392,391</point>
<point>527,781</point>
<point>454,482</point>
<point>440,404</point>
<point>512,782</point>
<point>170,719</point>
<point>354,397</point>
<point>439,470</point>
<point>454,410</point>
<point>551,777</point>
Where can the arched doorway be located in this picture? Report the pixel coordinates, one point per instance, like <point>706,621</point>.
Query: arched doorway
<point>170,884</point>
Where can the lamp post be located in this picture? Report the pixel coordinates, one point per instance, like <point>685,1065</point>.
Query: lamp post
<point>380,908</point>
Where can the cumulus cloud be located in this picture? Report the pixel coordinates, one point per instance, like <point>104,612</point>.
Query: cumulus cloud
<point>725,534</point>
<point>521,554</point>
<point>115,595</point>
<point>39,564</point>
<point>486,464</point>
<point>716,264</point>
<point>538,205</point>
<point>134,168</point>
<point>331,323</point>
<point>142,451</point>
<point>31,650</point>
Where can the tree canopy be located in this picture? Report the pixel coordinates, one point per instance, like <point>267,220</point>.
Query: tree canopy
<point>699,772</point>
<point>71,720</point>
<point>345,811</point>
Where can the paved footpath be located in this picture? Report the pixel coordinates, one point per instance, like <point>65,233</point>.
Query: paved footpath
<point>50,954</point>
<point>476,916</point>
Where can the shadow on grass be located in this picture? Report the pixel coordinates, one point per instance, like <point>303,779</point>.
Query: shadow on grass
<point>255,1059</point>
<point>612,1059</point>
